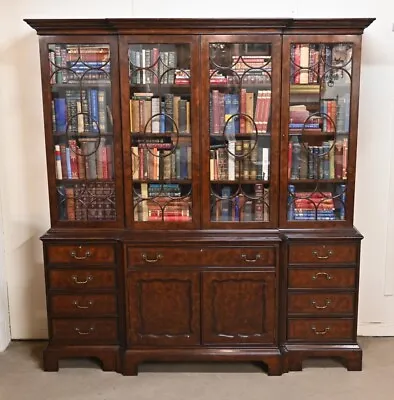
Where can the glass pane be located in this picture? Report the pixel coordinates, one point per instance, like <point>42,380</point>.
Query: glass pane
<point>160,125</point>
<point>319,120</point>
<point>240,131</point>
<point>82,128</point>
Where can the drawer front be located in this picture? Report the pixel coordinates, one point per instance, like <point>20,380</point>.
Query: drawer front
<point>81,279</point>
<point>321,303</point>
<point>322,278</point>
<point>81,253</point>
<point>163,256</point>
<point>322,253</point>
<point>91,330</point>
<point>237,257</point>
<point>83,305</point>
<point>320,330</point>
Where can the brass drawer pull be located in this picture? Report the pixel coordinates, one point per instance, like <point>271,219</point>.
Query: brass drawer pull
<point>151,260</point>
<point>91,330</point>
<point>78,282</point>
<point>319,257</point>
<point>314,303</point>
<point>324,332</point>
<point>328,276</point>
<point>73,254</point>
<point>250,260</point>
<point>77,305</point>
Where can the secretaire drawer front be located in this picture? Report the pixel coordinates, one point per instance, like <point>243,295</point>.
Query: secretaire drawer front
<point>81,253</point>
<point>320,329</point>
<point>323,253</point>
<point>81,279</point>
<point>163,256</point>
<point>239,256</point>
<point>87,330</point>
<point>322,278</point>
<point>83,305</point>
<point>321,303</point>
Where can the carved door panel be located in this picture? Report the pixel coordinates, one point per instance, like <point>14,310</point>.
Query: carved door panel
<point>238,307</point>
<point>164,308</point>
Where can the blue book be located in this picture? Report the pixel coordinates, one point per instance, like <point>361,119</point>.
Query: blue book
<point>290,200</point>
<point>60,114</point>
<point>68,163</point>
<point>93,109</point>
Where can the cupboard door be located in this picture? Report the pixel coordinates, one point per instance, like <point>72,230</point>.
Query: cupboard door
<point>238,307</point>
<point>240,110</point>
<point>164,308</point>
<point>161,131</point>
<point>82,124</point>
<point>319,120</point>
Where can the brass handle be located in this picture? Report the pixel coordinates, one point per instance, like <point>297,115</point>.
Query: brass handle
<point>314,303</point>
<point>76,304</point>
<point>324,332</point>
<point>316,254</point>
<point>91,329</point>
<point>250,260</point>
<point>78,282</point>
<point>151,260</point>
<point>328,276</point>
<point>73,254</point>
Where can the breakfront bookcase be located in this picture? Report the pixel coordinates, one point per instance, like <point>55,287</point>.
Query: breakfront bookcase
<point>201,178</point>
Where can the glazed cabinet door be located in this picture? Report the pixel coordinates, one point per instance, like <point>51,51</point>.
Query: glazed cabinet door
<point>163,308</point>
<point>238,307</point>
<point>80,81</point>
<point>319,129</point>
<point>240,115</point>
<point>159,79</point>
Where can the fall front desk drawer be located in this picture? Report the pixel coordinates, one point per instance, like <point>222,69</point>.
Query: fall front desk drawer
<point>81,253</point>
<point>83,305</point>
<point>322,253</point>
<point>320,329</point>
<point>321,303</point>
<point>81,279</point>
<point>97,330</point>
<point>322,278</point>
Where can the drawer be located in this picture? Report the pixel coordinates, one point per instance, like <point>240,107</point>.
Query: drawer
<point>321,303</point>
<point>323,253</point>
<point>81,253</point>
<point>89,330</point>
<point>236,257</point>
<point>83,305</point>
<point>81,279</point>
<point>160,256</point>
<point>322,278</point>
<point>320,330</point>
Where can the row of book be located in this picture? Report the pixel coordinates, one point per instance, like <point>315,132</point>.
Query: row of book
<point>247,112</point>
<point>317,205</point>
<point>242,159</point>
<point>86,159</point>
<point>92,201</point>
<point>161,161</point>
<point>72,63</point>
<point>84,111</point>
<point>241,207</point>
<point>151,114</point>
<point>328,161</point>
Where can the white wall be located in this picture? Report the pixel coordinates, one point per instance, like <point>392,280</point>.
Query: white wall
<point>24,191</point>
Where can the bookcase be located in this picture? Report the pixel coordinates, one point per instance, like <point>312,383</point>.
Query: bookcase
<point>201,176</point>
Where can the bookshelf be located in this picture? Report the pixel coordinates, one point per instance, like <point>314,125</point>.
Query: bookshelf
<point>201,178</point>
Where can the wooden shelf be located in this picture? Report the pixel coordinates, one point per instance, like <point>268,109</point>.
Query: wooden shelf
<point>81,135</point>
<point>164,181</point>
<point>295,181</point>
<point>72,181</point>
<point>159,135</point>
<point>82,85</point>
<point>239,182</point>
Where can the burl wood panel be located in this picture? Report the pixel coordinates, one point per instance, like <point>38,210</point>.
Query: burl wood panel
<point>321,303</point>
<point>82,305</point>
<point>238,307</point>
<point>317,330</point>
<point>322,253</point>
<point>322,278</point>
<point>86,330</point>
<point>241,256</point>
<point>83,254</point>
<point>164,308</point>
<point>81,279</point>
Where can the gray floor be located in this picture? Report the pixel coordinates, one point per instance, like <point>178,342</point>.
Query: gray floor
<point>21,377</point>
